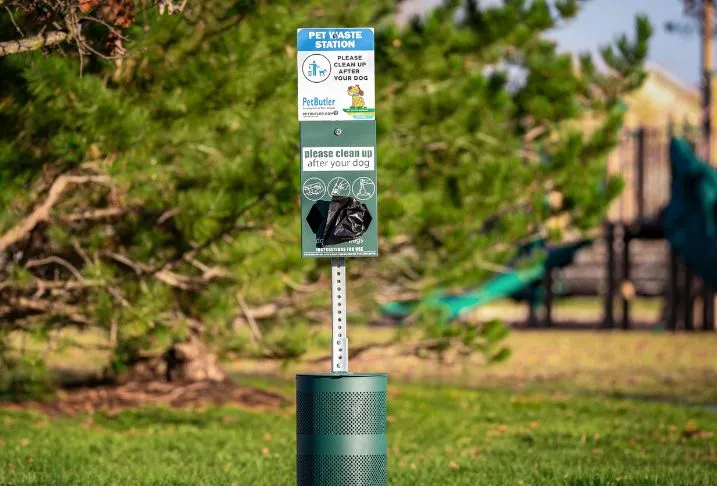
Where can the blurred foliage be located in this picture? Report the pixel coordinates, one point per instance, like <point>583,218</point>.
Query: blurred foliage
<point>186,156</point>
<point>23,373</point>
<point>443,336</point>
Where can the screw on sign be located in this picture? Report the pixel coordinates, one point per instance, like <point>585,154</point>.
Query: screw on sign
<point>341,416</point>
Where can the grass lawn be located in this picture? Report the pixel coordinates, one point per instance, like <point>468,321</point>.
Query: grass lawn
<point>663,366</point>
<point>588,310</point>
<point>437,436</point>
<point>569,407</point>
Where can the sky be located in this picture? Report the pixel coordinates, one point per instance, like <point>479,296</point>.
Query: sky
<point>600,21</point>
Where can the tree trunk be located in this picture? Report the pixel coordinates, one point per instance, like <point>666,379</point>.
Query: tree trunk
<point>188,361</point>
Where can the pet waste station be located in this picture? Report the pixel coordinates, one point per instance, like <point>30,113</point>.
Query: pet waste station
<point>340,415</point>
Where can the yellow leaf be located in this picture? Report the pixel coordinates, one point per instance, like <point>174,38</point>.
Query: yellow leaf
<point>690,429</point>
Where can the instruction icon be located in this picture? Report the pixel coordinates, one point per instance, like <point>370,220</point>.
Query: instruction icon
<point>338,186</point>
<point>314,189</point>
<point>363,188</point>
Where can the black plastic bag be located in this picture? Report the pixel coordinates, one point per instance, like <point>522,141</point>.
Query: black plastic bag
<point>341,220</point>
<point>347,220</point>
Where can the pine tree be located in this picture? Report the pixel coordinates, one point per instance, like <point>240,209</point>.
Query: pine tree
<point>89,27</point>
<point>156,197</point>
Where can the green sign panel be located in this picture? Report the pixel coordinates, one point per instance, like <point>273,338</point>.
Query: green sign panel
<point>339,189</point>
<point>338,166</point>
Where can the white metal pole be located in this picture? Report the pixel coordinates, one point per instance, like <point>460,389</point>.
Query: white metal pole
<point>339,338</point>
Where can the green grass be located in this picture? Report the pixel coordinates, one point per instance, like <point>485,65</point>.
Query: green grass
<point>555,413</point>
<point>586,311</point>
<point>675,367</point>
<point>437,436</point>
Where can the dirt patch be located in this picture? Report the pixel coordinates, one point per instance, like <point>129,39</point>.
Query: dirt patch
<point>113,398</point>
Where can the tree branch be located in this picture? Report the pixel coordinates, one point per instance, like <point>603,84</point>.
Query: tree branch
<point>34,42</point>
<point>39,283</point>
<point>355,352</point>
<point>255,331</point>
<point>297,286</point>
<point>95,214</point>
<point>57,260</point>
<point>412,349</point>
<point>47,307</point>
<point>42,213</point>
<point>168,277</point>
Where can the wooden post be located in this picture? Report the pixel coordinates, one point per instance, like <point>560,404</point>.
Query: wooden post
<point>708,34</point>
<point>532,316</point>
<point>640,155</point>
<point>708,319</point>
<point>688,300</point>
<point>549,298</point>
<point>673,296</point>
<point>625,277</point>
<point>610,275</point>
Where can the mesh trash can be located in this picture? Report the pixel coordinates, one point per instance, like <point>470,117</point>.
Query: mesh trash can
<point>341,429</point>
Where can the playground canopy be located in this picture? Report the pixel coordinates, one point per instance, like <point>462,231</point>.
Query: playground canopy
<point>690,219</point>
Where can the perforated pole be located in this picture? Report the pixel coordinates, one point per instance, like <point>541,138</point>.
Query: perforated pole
<point>339,339</point>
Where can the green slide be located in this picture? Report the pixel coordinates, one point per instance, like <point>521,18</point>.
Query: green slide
<point>519,283</point>
<point>690,219</point>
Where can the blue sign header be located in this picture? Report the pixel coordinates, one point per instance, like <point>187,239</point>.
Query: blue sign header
<point>335,39</point>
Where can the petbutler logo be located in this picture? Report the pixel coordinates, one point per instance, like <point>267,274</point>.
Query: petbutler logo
<point>316,68</point>
<point>316,101</point>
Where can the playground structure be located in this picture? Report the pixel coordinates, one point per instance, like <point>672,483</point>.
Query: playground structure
<point>635,256</point>
<point>641,217</point>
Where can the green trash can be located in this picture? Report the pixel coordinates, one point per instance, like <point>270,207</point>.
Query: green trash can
<point>341,429</point>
